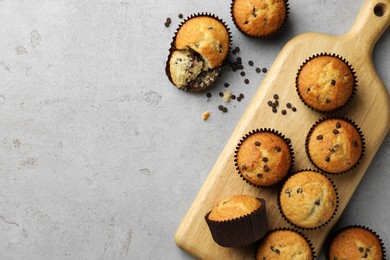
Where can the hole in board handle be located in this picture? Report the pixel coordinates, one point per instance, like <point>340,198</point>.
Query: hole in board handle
<point>379,9</point>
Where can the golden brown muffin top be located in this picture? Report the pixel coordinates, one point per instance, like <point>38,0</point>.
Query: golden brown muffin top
<point>355,243</point>
<point>264,158</point>
<point>325,83</point>
<point>233,207</point>
<point>259,17</point>
<point>206,36</point>
<point>335,145</point>
<point>284,245</point>
<point>308,199</point>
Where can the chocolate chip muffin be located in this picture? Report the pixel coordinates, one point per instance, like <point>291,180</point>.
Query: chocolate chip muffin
<point>238,220</point>
<point>308,199</point>
<point>355,243</point>
<point>284,244</point>
<point>325,83</point>
<point>200,46</point>
<point>263,158</point>
<point>259,18</point>
<point>334,145</point>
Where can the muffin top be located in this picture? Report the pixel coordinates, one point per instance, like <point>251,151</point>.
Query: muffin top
<point>233,207</point>
<point>335,145</point>
<point>259,18</point>
<point>284,244</point>
<point>207,36</point>
<point>325,83</point>
<point>308,199</point>
<point>355,243</point>
<point>263,158</point>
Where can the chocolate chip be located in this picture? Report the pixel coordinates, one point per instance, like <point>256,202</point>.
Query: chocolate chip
<point>333,82</point>
<point>276,96</point>
<point>257,143</point>
<point>307,90</point>
<point>269,103</point>
<point>274,110</point>
<point>226,85</point>
<point>272,248</point>
<point>277,251</point>
<point>278,149</point>
<point>246,81</point>
<point>242,73</point>
<point>220,107</point>
<point>365,255</point>
<point>266,168</point>
<point>243,166</point>
<point>167,22</point>
<point>259,175</point>
<point>317,202</point>
<point>320,137</point>
<point>233,97</point>
<point>250,63</point>
<point>288,105</point>
<point>361,249</point>
<point>224,110</point>
<point>335,131</point>
<point>333,149</point>
<point>264,70</point>
<point>208,94</point>
<point>288,192</point>
<point>327,159</point>
<point>327,101</point>
<point>299,190</point>
<point>355,143</point>
<point>338,125</point>
<point>284,112</point>
<point>258,70</point>
<point>265,159</point>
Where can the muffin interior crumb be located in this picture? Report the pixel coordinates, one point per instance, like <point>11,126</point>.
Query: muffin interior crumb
<point>189,70</point>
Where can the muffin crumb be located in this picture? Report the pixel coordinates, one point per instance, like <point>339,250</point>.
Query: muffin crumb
<point>206,115</point>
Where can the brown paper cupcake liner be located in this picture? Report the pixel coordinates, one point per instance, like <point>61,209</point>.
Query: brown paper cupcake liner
<point>173,47</point>
<point>323,224</point>
<point>287,141</point>
<point>333,235</point>
<point>269,36</point>
<point>354,85</point>
<point>313,252</point>
<point>340,118</point>
<point>242,231</point>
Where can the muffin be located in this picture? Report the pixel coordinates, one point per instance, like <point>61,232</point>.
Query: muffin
<point>356,243</point>
<point>263,158</point>
<point>200,46</point>
<point>325,83</point>
<point>284,244</point>
<point>334,145</point>
<point>308,199</point>
<point>236,221</point>
<point>259,18</point>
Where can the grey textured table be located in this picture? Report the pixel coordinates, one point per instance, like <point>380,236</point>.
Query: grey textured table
<point>100,156</point>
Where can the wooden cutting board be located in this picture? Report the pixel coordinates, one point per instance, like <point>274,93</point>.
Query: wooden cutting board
<point>370,109</point>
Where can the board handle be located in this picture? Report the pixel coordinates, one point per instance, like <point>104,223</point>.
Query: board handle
<point>371,22</point>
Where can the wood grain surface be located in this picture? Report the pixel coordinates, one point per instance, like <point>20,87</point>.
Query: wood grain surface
<point>370,110</point>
